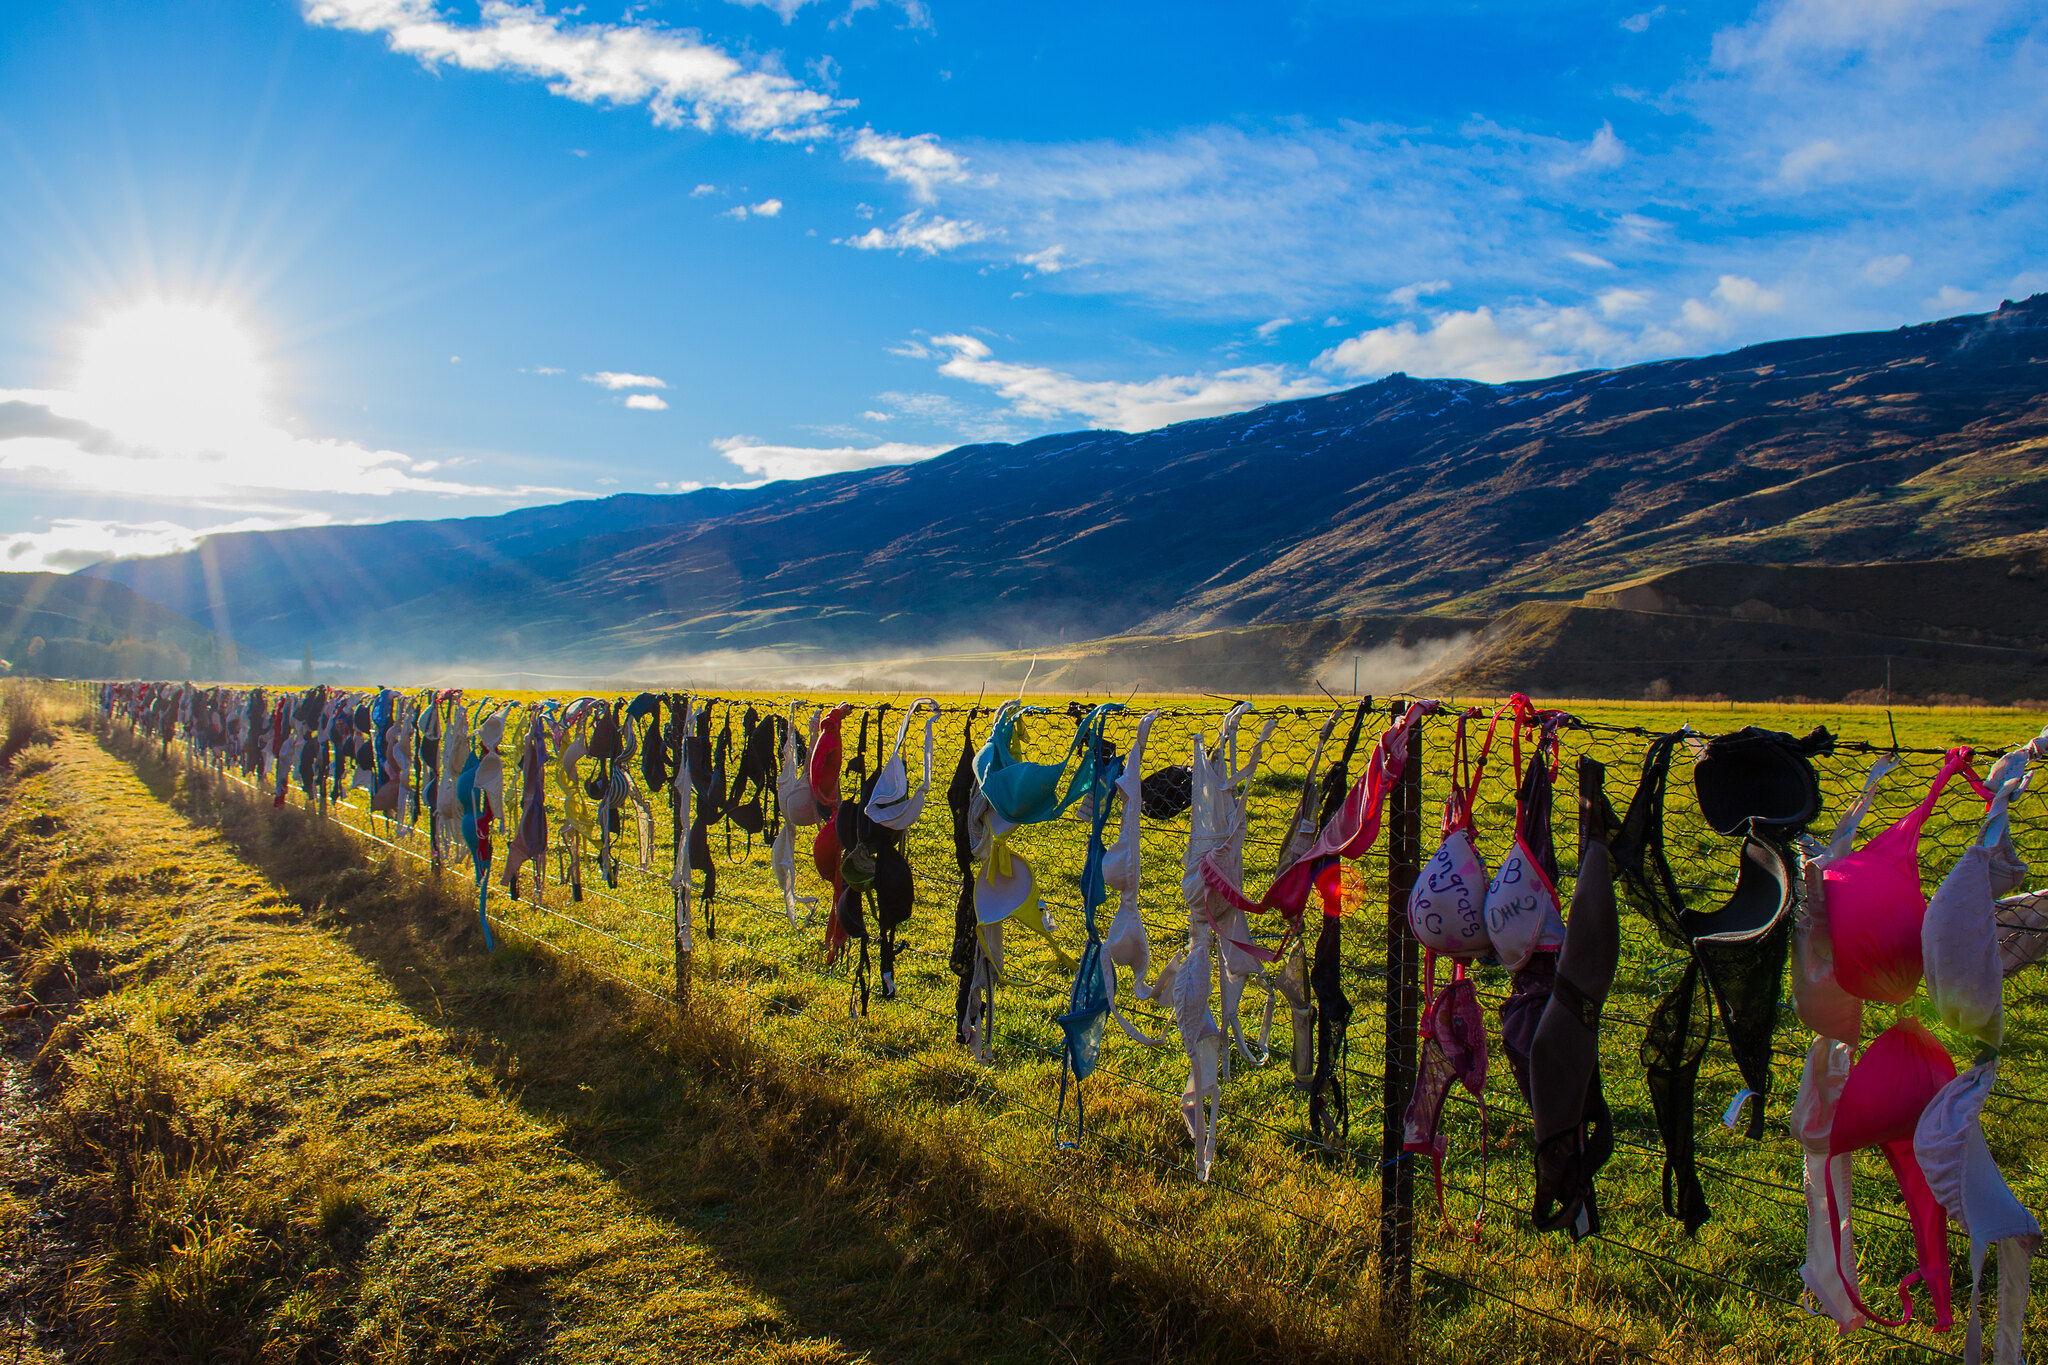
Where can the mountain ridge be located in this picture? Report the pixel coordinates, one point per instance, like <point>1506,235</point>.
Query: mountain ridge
<point>1439,496</point>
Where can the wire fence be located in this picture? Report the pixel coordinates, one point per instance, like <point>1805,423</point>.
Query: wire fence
<point>1641,1285</point>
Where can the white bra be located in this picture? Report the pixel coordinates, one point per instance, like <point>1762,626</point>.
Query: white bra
<point>793,783</point>
<point>892,804</point>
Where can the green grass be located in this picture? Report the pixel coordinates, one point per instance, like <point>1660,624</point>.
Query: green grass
<point>1280,1246</point>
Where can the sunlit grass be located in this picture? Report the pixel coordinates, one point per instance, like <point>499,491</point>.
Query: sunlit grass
<point>1299,1228</point>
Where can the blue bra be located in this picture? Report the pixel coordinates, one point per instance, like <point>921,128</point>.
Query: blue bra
<point>1022,793</point>
<point>1095,982</point>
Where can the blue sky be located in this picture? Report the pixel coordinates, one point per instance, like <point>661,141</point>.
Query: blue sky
<point>280,263</point>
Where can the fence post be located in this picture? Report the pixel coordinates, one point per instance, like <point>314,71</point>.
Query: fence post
<point>1397,1176</point>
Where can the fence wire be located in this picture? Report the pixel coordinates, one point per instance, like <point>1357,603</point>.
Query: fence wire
<point>1479,1244</point>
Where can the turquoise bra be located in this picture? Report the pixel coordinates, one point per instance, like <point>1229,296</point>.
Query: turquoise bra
<point>1022,793</point>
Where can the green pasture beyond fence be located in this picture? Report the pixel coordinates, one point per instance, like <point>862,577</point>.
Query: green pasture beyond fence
<point>1642,1284</point>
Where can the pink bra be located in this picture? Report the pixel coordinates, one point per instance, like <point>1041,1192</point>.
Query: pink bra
<point>1453,1049</point>
<point>1875,905</point>
<point>1887,1090</point>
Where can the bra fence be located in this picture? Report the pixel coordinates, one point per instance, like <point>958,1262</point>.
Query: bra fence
<point>1352,1194</point>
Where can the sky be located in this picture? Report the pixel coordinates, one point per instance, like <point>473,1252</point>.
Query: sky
<point>289,262</point>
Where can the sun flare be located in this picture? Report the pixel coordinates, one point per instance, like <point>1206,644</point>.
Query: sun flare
<point>169,372</point>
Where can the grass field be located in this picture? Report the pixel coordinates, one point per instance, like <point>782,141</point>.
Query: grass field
<point>1113,1249</point>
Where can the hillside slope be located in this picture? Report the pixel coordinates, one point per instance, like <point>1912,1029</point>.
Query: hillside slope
<point>84,621</point>
<point>1439,496</point>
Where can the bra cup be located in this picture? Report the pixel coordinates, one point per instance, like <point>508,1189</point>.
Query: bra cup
<point>1875,904</point>
<point>1120,867</point>
<point>1522,917</point>
<point>1959,950</point>
<point>1233,929</point>
<point>825,852</point>
<point>1447,909</point>
<point>1875,910</point>
<point>1459,1028</point>
<point>889,805</point>
<point>1128,945</point>
<point>892,804</point>
<point>793,787</point>
<point>1887,1091</point>
<point>1817,997</point>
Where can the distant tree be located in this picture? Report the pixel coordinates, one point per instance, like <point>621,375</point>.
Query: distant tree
<point>32,661</point>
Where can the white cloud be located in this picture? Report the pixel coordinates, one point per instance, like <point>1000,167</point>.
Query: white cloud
<point>1587,258</point>
<point>646,402</point>
<point>547,369</point>
<point>919,162</point>
<point>1949,301</point>
<point>1617,301</point>
<point>768,208</point>
<point>772,462</point>
<point>1735,298</point>
<point>72,543</point>
<point>1803,162</point>
<point>1640,23</point>
<point>914,232</point>
<point>1268,329</point>
<point>54,440</point>
<point>915,15</point>
<point>1603,153</point>
<point>872,416</point>
<point>1479,344</point>
<point>1035,391</point>
<point>738,211</point>
<point>619,379</point>
<point>703,190</point>
<point>1882,95</point>
<point>1050,261</point>
<point>1883,270</point>
<point>680,78</point>
<point>1408,295</point>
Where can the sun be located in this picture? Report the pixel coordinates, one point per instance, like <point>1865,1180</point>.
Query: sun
<point>172,373</point>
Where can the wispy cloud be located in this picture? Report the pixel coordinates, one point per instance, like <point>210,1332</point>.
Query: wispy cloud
<point>915,14</point>
<point>1925,120</point>
<point>71,543</point>
<point>1039,392</point>
<point>772,462</point>
<point>1050,261</point>
<point>54,440</point>
<point>620,379</point>
<point>767,208</point>
<point>680,78</point>
<point>915,232</point>
<point>1408,295</point>
<point>921,163</point>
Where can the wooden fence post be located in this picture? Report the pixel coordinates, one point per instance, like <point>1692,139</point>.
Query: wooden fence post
<point>1403,1002</point>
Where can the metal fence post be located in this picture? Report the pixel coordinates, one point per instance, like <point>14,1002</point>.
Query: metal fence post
<point>1403,1001</point>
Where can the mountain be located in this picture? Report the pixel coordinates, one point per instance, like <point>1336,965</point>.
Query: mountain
<point>1441,497</point>
<point>69,625</point>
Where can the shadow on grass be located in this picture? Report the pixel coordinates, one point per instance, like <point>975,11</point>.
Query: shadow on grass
<point>866,1225</point>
